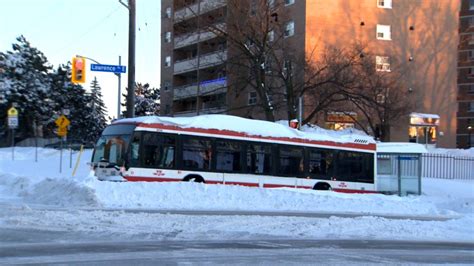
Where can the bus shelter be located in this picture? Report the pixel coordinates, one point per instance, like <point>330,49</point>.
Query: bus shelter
<point>399,168</point>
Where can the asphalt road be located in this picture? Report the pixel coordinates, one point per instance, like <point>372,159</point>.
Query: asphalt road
<point>263,252</point>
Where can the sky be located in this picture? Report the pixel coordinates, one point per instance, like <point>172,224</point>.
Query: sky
<point>97,29</point>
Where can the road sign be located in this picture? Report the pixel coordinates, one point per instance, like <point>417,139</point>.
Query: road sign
<point>13,122</point>
<point>12,112</point>
<point>62,131</point>
<point>62,122</point>
<point>108,68</point>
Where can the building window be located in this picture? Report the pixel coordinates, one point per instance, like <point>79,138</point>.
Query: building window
<point>168,37</point>
<point>470,72</point>
<point>289,29</point>
<point>289,2</point>
<point>471,4</point>
<point>168,61</point>
<point>252,100</point>
<point>287,68</point>
<point>470,107</point>
<point>382,63</point>
<point>271,4</point>
<point>271,36</point>
<point>383,32</point>
<point>470,39</point>
<point>470,22</point>
<point>253,8</point>
<point>470,55</point>
<point>168,12</point>
<point>166,86</point>
<point>471,89</point>
<point>384,3</point>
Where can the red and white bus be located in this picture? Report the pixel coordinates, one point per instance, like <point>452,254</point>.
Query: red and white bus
<point>222,149</point>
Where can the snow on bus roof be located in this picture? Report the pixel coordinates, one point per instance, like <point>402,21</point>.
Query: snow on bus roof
<point>255,127</point>
<point>400,147</point>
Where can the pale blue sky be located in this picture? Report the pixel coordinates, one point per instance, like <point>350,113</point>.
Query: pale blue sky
<point>96,29</point>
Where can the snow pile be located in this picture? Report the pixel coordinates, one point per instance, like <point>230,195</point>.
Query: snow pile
<point>453,152</point>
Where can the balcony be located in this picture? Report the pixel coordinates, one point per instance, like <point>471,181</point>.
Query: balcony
<point>192,11</point>
<point>208,87</point>
<point>192,38</point>
<point>207,60</point>
<point>215,110</point>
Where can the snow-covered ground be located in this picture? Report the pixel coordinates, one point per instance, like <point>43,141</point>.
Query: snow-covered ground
<point>34,195</point>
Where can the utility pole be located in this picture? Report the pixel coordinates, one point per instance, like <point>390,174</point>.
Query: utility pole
<point>131,57</point>
<point>198,74</point>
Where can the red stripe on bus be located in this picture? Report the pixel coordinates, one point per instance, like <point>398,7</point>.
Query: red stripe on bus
<point>288,186</point>
<point>242,184</point>
<point>165,179</point>
<point>369,146</point>
<point>150,179</point>
<point>355,191</point>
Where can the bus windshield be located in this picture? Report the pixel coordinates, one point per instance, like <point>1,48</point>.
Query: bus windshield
<point>112,145</point>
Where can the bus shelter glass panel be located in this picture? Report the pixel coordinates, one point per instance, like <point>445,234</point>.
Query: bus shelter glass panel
<point>409,174</point>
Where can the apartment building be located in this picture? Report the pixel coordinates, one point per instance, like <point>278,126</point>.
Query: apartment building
<point>465,114</point>
<point>418,37</point>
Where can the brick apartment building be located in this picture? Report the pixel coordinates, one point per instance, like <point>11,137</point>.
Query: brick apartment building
<point>465,98</point>
<point>421,37</point>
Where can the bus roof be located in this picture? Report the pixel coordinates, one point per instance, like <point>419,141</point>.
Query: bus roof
<point>253,127</point>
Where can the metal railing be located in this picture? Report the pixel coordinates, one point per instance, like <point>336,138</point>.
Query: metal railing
<point>447,166</point>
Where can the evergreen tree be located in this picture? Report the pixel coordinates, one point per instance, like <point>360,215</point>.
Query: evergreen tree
<point>25,81</point>
<point>146,100</point>
<point>97,115</point>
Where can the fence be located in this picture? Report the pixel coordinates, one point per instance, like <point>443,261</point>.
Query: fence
<point>447,166</point>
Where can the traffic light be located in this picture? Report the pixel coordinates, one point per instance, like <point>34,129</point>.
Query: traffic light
<point>78,70</point>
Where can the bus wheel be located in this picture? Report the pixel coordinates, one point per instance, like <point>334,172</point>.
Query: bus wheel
<point>194,178</point>
<point>322,186</point>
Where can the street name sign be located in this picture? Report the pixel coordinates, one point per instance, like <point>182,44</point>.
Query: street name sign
<point>108,68</point>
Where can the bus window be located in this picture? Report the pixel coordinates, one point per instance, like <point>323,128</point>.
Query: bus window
<point>158,150</point>
<point>112,145</point>
<point>259,159</point>
<point>228,156</point>
<point>355,167</point>
<point>290,161</point>
<point>197,153</point>
<point>133,156</point>
<point>320,163</point>
<point>110,149</point>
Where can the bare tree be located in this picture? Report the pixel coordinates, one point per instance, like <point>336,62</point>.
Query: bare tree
<point>379,96</point>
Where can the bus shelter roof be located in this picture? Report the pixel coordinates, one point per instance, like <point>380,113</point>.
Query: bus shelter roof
<point>400,147</point>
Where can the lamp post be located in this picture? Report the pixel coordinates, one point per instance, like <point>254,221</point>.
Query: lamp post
<point>119,76</point>
<point>469,130</point>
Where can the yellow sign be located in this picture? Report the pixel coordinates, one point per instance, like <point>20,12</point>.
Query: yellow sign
<point>12,112</point>
<point>62,122</point>
<point>62,131</point>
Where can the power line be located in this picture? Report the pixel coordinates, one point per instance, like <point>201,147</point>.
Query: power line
<point>89,30</point>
